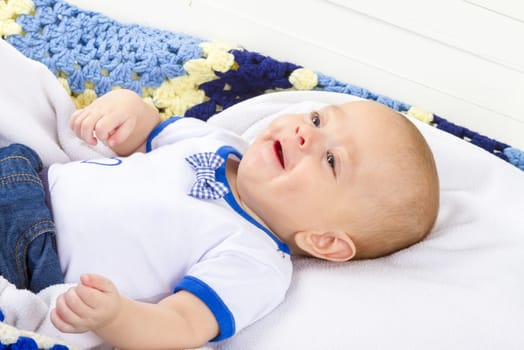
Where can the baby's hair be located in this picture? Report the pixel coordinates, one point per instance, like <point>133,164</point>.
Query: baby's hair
<point>406,214</point>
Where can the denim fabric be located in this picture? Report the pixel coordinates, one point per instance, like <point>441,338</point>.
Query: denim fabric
<point>27,234</point>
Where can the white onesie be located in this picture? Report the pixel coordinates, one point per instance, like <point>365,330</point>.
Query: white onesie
<point>131,219</point>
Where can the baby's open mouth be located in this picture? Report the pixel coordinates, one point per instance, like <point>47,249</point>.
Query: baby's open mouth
<point>278,152</point>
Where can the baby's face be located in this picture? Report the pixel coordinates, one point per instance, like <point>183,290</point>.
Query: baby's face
<point>314,171</point>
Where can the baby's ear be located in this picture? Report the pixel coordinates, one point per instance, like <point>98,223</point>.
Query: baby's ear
<point>332,246</point>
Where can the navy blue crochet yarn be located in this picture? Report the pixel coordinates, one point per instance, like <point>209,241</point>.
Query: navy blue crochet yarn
<point>255,75</point>
<point>495,147</point>
<point>88,46</point>
<point>90,49</point>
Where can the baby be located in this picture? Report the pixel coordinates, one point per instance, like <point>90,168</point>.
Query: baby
<point>194,236</point>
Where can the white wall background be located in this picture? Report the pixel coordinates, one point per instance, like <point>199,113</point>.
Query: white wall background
<point>462,59</point>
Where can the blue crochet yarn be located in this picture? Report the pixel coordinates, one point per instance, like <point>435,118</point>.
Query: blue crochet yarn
<point>88,46</point>
<point>327,83</point>
<point>255,75</point>
<point>515,157</point>
<point>2,317</point>
<point>23,343</point>
<point>26,343</point>
<point>58,347</point>
<point>495,147</point>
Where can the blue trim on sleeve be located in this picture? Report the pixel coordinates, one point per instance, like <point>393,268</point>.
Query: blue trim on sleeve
<point>224,317</point>
<point>220,174</point>
<point>158,129</point>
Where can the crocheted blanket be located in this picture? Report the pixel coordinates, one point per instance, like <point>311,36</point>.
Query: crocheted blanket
<point>12,338</point>
<point>179,74</point>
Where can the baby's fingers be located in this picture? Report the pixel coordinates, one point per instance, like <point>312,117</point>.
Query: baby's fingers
<point>71,314</point>
<point>74,116</point>
<point>113,130</point>
<point>83,124</point>
<point>99,283</point>
<point>60,324</point>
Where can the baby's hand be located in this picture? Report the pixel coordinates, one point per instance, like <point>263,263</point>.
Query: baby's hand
<point>92,304</point>
<point>110,118</point>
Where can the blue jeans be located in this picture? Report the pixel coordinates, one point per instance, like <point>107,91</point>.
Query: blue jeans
<point>28,253</point>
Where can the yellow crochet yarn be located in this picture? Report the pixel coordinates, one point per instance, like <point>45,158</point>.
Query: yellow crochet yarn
<point>10,334</point>
<point>303,79</point>
<point>218,55</point>
<point>420,114</point>
<point>9,11</point>
<point>175,96</point>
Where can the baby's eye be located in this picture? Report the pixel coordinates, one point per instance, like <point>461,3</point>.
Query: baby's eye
<point>315,119</point>
<point>331,160</point>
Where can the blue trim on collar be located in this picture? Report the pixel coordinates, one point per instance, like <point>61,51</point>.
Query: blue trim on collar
<point>158,129</point>
<point>220,174</point>
<point>224,317</point>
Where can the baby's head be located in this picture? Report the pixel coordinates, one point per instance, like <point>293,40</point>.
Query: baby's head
<point>356,180</point>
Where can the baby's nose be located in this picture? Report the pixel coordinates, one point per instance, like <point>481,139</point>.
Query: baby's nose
<point>300,139</point>
<point>306,136</point>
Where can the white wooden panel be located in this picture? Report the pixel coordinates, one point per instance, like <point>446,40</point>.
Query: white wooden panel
<point>510,8</point>
<point>458,24</point>
<point>382,46</point>
<point>451,80</point>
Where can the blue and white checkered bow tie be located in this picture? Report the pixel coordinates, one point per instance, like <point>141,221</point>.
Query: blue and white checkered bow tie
<point>206,186</point>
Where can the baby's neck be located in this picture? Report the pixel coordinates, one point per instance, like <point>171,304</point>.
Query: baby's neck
<point>231,175</point>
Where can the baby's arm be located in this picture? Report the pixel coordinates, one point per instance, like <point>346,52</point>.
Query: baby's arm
<point>120,119</point>
<point>178,321</point>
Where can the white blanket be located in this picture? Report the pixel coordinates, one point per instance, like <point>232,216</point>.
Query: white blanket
<point>35,109</point>
<point>462,287</point>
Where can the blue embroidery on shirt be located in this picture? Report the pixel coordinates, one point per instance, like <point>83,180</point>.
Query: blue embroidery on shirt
<point>113,161</point>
